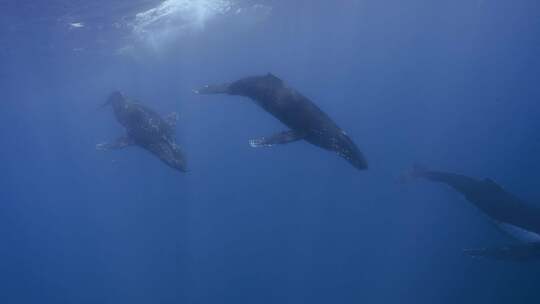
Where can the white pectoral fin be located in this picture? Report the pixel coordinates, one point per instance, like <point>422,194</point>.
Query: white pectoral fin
<point>277,139</point>
<point>119,143</point>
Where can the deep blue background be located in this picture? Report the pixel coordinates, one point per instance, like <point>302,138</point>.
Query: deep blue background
<point>448,84</point>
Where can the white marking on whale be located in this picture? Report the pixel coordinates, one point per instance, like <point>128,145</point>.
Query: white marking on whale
<point>519,233</point>
<point>76,24</point>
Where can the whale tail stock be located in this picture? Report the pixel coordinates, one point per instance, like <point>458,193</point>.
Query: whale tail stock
<point>416,171</point>
<point>213,89</point>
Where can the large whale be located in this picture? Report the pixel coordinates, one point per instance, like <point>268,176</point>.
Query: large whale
<point>146,129</point>
<point>511,215</point>
<point>303,118</point>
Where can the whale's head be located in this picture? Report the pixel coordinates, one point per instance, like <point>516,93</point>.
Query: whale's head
<point>346,148</point>
<point>116,99</point>
<point>256,87</point>
<point>253,86</point>
<point>211,89</point>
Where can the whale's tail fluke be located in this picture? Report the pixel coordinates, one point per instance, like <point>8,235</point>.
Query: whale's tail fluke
<point>213,89</point>
<point>525,252</point>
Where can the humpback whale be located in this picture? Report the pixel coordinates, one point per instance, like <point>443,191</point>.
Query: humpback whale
<point>305,120</point>
<point>146,129</point>
<point>517,218</point>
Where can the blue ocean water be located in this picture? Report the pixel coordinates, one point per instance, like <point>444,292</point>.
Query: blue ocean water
<point>448,84</point>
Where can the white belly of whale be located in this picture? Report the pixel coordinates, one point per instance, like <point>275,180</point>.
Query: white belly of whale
<point>520,233</point>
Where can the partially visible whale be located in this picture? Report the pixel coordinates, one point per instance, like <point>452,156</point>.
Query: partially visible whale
<point>146,129</point>
<point>511,215</point>
<point>303,118</point>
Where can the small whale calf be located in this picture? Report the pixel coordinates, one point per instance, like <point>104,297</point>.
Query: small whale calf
<point>303,118</point>
<point>513,216</point>
<point>146,129</point>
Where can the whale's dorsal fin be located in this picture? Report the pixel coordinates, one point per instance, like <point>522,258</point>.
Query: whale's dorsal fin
<point>284,137</point>
<point>492,183</point>
<point>273,78</point>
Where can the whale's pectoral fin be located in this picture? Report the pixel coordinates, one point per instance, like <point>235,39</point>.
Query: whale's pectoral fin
<point>523,252</point>
<point>119,143</point>
<point>277,139</point>
<point>172,119</point>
